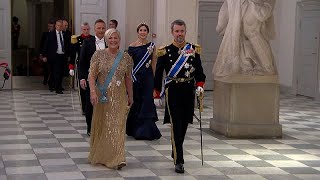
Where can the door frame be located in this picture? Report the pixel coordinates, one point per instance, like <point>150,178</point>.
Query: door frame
<point>215,3</point>
<point>5,53</point>
<point>301,6</point>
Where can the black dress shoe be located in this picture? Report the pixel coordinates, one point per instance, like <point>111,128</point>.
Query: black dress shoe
<point>59,92</point>
<point>178,168</point>
<point>62,89</point>
<point>51,89</point>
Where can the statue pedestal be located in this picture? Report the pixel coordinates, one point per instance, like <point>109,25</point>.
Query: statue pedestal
<point>246,106</point>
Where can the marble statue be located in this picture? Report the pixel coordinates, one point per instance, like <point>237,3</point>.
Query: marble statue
<point>247,26</point>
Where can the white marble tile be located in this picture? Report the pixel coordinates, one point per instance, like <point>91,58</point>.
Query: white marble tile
<point>286,163</point>
<point>19,157</point>
<point>136,173</point>
<point>24,170</point>
<point>54,162</point>
<point>64,175</point>
<point>223,164</point>
<point>145,153</point>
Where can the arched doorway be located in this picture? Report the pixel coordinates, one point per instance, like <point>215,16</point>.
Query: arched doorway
<point>33,17</point>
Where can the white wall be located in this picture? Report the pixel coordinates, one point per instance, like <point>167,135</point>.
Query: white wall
<point>117,10</point>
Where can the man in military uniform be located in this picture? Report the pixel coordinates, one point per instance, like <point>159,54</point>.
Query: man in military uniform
<point>90,46</point>
<point>76,44</point>
<point>184,77</point>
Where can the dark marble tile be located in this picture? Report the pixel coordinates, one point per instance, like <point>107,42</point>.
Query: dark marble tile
<point>27,177</point>
<point>254,163</point>
<point>23,163</point>
<point>300,170</point>
<point>60,168</point>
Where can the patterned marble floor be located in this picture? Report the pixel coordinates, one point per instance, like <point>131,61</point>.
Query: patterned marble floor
<point>43,136</point>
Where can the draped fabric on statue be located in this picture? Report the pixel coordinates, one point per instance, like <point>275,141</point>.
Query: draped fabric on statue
<point>143,115</point>
<point>246,26</point>
<point>107,141</point>
<point>228,59</point>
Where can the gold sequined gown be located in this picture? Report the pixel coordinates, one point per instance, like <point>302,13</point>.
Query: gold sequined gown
<point>107,140</point>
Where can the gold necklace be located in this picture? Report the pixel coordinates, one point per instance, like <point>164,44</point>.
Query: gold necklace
<point>142,43</point>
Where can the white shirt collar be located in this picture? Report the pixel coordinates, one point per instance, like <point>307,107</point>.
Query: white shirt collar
<point>99,40</point>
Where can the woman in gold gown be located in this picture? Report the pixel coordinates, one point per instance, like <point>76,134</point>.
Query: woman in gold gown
<point>107,140</point>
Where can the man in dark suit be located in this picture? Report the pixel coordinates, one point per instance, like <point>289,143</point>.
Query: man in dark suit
<point>44,37</point>
<point>89,46</point>
<point>75,49</point>
<point>56,52</point>
<point>67,33</point>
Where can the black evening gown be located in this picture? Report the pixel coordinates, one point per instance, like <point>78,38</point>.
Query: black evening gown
<point>142,115</point>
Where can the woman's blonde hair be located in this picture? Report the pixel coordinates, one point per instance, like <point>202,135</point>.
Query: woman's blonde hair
<point>109,32</point>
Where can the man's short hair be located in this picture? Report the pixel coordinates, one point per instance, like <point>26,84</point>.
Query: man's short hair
<point>15,19</point>
<point>85,24</point>
<point>178,22</point>
<point>99,21</point>
<point>115,22</point>
<point>60,21</point>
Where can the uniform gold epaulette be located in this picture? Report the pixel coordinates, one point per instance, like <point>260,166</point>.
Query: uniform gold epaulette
<point>197,48</point>
<point>161,51</point>
<point>74,39</point>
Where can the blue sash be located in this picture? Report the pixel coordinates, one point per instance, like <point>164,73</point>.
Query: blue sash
<point>103,89</point>
<point>142,61</point>
<point>176,67</point>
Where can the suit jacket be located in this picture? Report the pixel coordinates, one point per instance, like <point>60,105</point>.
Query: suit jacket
<point>43,40</point>
<point>87,50</point>
<point>51,46</point>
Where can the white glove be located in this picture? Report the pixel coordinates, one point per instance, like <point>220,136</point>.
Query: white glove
<point>157,102</point>
<point>71,72</point>
<point>199,90</point>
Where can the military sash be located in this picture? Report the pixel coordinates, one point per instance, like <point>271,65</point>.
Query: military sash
<point>177,66</point>
<point>103,89</point>
<point>142,61</point>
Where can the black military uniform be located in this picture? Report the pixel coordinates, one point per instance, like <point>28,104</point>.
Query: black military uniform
<point>76,44</point>
<point>180,92</point>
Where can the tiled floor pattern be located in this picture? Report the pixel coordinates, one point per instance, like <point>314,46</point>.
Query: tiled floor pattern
<point>43,136</point>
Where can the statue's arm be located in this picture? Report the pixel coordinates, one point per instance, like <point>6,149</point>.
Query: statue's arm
<point>262,9</point>
<point>223,19</point>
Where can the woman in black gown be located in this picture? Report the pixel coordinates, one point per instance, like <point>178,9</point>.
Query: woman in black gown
<point>143,115</point>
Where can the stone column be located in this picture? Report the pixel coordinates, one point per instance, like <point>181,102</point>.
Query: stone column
<point>166,11</point>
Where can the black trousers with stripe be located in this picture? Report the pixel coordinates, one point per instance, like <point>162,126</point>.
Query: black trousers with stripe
<point>179,111</point>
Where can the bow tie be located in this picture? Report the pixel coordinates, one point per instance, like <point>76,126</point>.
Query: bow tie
<point>100,41</point>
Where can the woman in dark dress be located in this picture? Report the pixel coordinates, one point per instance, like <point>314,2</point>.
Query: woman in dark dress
<point>143,115</point>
